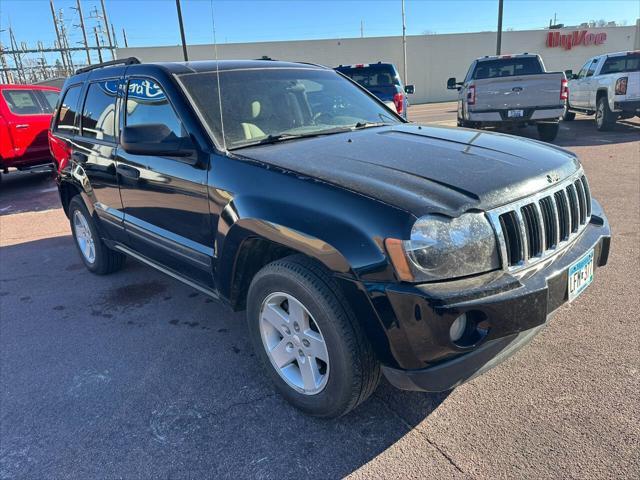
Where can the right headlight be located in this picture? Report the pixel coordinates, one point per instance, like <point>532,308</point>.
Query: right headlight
<point>442,248</point>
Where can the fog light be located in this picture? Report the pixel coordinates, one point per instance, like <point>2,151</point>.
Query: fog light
<point>458,328</point>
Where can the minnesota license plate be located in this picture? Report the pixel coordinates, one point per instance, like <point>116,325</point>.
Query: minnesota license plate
<point>580,275</point>
<point>515,113</point>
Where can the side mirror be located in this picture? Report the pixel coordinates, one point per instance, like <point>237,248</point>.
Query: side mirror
<point>409,89</point>
<point>451,84</point>
<point>157,139</point>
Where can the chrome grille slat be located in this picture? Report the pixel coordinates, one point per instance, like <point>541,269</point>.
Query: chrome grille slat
<point>539,226</point>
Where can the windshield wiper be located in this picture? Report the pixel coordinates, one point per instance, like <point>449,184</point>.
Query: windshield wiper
<point>281,137</point>
<point>360,125</point>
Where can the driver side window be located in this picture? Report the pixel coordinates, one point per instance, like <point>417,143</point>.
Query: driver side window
<point>148,104</point>
<point>583,71</point>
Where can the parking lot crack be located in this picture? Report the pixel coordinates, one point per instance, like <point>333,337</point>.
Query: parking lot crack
<point>424,435</point>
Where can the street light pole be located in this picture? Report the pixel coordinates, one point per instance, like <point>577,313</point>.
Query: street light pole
<point>499,43</point>
<point>404,45</point>
<point>184,42</point>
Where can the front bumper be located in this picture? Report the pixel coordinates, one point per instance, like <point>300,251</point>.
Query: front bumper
<point>513,307</point>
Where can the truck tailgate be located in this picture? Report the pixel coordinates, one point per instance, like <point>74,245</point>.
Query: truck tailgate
<point>633,86</point>
<point>526,91</point>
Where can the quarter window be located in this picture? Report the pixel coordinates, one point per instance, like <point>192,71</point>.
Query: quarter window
<point>98,115</point>
<point>148,104</point>
<point>66,121</point>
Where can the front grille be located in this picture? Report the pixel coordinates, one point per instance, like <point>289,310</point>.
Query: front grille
<point>536,227</point>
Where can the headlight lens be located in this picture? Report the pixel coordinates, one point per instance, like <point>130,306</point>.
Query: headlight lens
<point>443,248</point>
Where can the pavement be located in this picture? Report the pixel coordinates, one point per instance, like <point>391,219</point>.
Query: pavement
<point>135,375</point>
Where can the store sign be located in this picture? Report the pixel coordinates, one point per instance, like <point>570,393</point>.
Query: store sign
<point>578,37</point>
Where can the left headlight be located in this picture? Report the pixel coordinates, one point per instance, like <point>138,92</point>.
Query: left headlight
<point>443,248</point>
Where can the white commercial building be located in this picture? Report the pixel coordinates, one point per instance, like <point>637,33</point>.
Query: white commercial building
<point>431,59</point>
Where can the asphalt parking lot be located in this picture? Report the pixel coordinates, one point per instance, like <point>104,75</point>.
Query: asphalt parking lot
<point>135,375</point>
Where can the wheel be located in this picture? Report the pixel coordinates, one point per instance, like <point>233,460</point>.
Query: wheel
<point>308,338</point>
<point>605,118</point>
<point>548,131</point>
<point>97,257</point>
<point>567,115</point>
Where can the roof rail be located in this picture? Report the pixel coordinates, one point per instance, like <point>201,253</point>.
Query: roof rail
<point>120,61</point>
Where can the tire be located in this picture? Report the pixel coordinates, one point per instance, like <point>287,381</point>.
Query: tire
<point>95,255</point>
<point>605,118</point>
<point>548,131</point>
<point>568,115</point>
<point>350,374</point>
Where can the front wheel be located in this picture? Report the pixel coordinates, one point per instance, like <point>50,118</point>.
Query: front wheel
<point>568,115</point>
<point>605,118</point>
<point>308,339</point>
<point>96,256</point>
<point>548,131</point>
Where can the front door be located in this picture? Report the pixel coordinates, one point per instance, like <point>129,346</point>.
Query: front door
<point>165,199</point>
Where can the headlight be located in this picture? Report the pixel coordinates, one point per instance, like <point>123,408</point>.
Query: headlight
<point>443,248</point>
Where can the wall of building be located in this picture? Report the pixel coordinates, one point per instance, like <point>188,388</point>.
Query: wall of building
<point>431,59</point>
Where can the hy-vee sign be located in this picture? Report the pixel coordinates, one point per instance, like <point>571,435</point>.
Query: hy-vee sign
<point>573,39</point>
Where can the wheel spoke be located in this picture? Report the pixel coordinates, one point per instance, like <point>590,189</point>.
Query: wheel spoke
<point>317,348</point>
<point>280,355</point>
<point>297,314</point>
<point>275,316</point>
<point>310,373</point>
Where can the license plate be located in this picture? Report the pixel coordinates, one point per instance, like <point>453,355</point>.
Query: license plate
<point>580,275</point>
<point>515,113</point>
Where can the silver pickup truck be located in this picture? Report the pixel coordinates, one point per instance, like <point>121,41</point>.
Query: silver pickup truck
<point>511,90</point>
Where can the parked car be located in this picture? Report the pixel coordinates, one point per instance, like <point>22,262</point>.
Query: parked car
<point>25,114</point>
<point>607,85</point>
<point>511,90</point>
<point>383,80</point>
<point>358,243</point>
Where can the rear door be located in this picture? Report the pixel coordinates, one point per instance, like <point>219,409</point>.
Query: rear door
<point>165,199</point>
<point>28,121</point>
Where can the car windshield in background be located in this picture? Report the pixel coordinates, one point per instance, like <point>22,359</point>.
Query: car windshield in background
<point>275,104</point>
<point>507,68</point>
<point>628,63</point>
<point>376,75</point>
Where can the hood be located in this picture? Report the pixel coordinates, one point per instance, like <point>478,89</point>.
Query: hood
<point>424,169</point>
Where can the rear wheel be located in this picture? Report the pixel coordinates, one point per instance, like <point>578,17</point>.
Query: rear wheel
<point>548,131</point>
<point>308,339</point>
<point>568,115</point>
<point>96,256</point>
<point>605,118</point>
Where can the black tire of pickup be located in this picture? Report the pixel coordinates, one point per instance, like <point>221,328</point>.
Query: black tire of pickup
<point>548,131</point>
<point>605,118</point>
<point>354,372</point>
<point>568,115</point>
<point>106,260</point>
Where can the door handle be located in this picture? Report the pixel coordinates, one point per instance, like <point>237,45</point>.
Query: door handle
<point>127,171</point>
<point>22,126</point>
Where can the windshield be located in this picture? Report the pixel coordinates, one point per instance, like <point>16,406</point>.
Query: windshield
<point>504,67</point>
<point>271,104</point>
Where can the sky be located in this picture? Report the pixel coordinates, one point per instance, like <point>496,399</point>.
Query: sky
<point>154,22</point>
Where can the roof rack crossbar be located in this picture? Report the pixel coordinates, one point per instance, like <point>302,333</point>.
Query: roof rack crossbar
<point>119,61</point>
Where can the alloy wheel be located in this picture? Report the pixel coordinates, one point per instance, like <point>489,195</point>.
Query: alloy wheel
<point>84,238</point>
<point>294,343</point>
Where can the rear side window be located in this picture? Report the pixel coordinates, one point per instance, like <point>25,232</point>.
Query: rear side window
<point>22,102</point>
<point>507,67</point>
<point>148,104</point>
<point>372,75</point>
<point>66,120</point>
<point>628,63</point>
<point>98,114</point>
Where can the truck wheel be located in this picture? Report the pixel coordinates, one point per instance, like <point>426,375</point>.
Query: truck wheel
<point>308,338</point>
<point>567,115</point>
<point>605,118</point>
<point>548,131</point>
<point>97,257</point>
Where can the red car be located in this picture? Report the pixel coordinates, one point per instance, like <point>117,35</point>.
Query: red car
<point>25,114</point>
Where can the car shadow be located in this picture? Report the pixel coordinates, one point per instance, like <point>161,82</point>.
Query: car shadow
<point>28,191</point>
<point>98,367</point>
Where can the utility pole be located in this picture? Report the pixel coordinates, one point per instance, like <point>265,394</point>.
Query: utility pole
<point>184,42</point>
<point>95,31</point>
<point>84,31</point>
<point>5,67</point>
<point>404,45</point>
<point>499,44</point>
<point>55,24</point>
<point>106,27</point>
<point>361,28</point>
<point>124,37</point>
<point>43,61</point>
<point>115,39</point>
<point>65,40</point>
<point>16,57</point>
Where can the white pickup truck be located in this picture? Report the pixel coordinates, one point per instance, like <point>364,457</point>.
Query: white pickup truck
<point>511,90</point>
<point>607,85</point>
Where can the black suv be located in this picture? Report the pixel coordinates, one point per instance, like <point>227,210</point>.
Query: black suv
<point>359,244</point>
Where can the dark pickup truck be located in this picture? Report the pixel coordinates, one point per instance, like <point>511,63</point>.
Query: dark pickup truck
<point>358,244</point>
